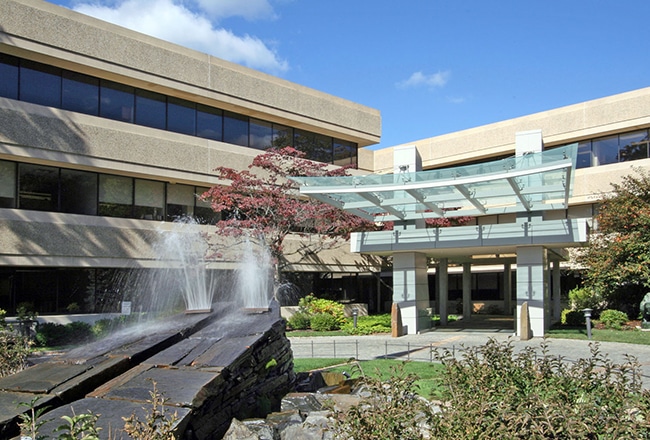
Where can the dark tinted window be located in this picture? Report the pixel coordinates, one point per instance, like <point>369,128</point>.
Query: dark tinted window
<point>282,136</point>
<point>316,146</point>
<point>181,116</point>
<point>584,155</point>
<point>116,101</point>
<point>235,129</point>
<point>345,153</point>
<point>78,192</point>
<point>209,122</point>
<point>115,196</point>
<point>150,109</point>
<point>38,187</point>
<point>8,76</point>
<point>40,84</point>
<point>261,134</point>
<point>633,146</point>
<point>80,93</point>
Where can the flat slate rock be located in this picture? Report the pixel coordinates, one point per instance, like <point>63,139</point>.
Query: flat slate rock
<point>110,415</point>
<point>42,378</point>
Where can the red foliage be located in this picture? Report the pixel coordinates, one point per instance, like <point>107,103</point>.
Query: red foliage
<point>262,202</point>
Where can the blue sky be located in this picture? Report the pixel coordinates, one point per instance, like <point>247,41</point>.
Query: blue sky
<point>430,66</point>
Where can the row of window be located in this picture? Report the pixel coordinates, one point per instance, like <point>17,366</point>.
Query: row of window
<point>45,188</point>
<point>38,83</point>
<point>623,147</point>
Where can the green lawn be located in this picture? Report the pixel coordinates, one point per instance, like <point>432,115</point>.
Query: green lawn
<point>428,373</point>
<point>602,335</point>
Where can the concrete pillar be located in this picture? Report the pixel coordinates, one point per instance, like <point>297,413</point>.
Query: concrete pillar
<point>557,287</point>
<point>532,287</point>
<point>411,290</point>
<point>467,291</point>
<point>443,289</point>
<point>507,289</point>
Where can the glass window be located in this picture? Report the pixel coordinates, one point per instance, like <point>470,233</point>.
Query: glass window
<point>345,153</point>
<point>78,192</point>
<point>605,150</point>
<point>38,187</point>
<point>149,199</point>
<point>181,116</point>
<point>584,155</point>
<point>150,109</point>
<point>40,84</point>
<point>8,76</point>
<point>235,129</point>
<point>7,184</point>
<point>115,196</point>
<point>203,212</point>
<point>209,122</point>
<point>282,136</point>
<point>180,201</point>
<point>116,101</point>
<point>316,146</point>
<point>261,135</point>
<point>634,146</point>
<point>80,93</point>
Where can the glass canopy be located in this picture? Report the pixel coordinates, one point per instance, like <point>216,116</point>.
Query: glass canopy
<point>532,182</point>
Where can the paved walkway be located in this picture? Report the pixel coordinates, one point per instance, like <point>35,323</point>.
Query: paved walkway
<point>421,347</point>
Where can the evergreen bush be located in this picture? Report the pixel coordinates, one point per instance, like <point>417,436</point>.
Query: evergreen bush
<point>572,318</point>
<point>614,319</point>
<point>299,321</point>
<point>323,322</point>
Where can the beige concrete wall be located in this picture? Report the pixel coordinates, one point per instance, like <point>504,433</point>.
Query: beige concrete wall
<point>44,32</point>
<point>600,117</point>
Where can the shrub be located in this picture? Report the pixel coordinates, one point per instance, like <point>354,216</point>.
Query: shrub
<point>299,321</point>
<point>584,298</point>
<point>50,334</point>
<point>14,350</point>
<point>323,322</point>
<point>572,318</point>
<point>368,325</point>
<point>528,395</point>
<point>313,306</point>
<point>614,319</point>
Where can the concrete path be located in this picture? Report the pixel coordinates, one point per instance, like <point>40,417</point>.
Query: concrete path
<point>421,347</point>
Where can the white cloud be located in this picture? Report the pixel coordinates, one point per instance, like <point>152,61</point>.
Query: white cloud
<point>419,79</point>
<point>174,22</point>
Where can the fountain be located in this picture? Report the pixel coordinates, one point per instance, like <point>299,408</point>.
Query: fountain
<point>212,366</point>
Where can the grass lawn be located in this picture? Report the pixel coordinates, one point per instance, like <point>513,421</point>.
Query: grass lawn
<point>428,373</point>
<point>602,335</point>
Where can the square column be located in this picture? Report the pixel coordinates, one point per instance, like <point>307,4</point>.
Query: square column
<point>467,291</point>
<point>411,290</point>
<point>557,287</point>
<point>533,288</point>
<point>443,289</point>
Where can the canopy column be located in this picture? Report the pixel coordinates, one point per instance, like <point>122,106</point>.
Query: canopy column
<point>467,291</point>
<point>507,289</point>
<point>443,289</point>
<point>557,305</point>
<point>411,290</point>
<point>532,287</point>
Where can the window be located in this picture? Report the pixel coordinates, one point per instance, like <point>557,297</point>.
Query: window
<point>40,84</point>
<point>180,201</point>
<point>38,187</point>
<point>80,93</point>
<point>282,136</point>
<point>116,101</point>
<point>316,146</point>
<point>7,184</point>
<point>633,146</point>
<point>181,116</point>
<point>605,150</point>
<point>203,211</point>
<point>209,122</point>
<point>584,155</point>
<point>8,76</point>
<point>149,199</point>
<point>261,135</point>
<point>115,196</point>
<point>345,153</point>
<point>150,109</point>
<point>235,129</point>
<point>78,192</point>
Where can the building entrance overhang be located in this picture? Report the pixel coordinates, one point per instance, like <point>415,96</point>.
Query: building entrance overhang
<point>529,183</point>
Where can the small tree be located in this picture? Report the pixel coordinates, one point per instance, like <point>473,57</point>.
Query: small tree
<point>618,256</point>
<point>263,205</point>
